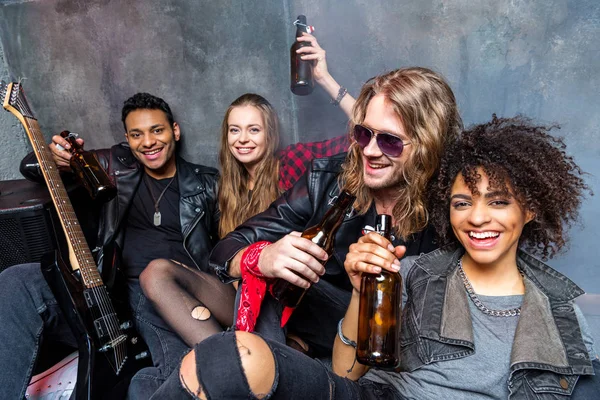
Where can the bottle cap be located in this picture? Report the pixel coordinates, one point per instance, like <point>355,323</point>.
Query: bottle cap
<point>308,28</point>
<point>384,224</point>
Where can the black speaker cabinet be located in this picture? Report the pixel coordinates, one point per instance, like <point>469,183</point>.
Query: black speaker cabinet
<point>26,231</point>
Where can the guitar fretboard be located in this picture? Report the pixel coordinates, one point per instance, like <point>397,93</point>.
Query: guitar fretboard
<point>75,238</point>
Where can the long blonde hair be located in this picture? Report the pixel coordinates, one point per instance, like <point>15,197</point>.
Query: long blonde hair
<point>233,184</point>
<point>425,104</point>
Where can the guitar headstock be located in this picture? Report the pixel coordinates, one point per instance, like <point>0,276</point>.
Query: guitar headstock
<point>13,99</point>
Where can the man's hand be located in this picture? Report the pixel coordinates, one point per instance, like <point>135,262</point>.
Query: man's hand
<point>59,148</point>
<point>294,259</point>
<point>370,254</point>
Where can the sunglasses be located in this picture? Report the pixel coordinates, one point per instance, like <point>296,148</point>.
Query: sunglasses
<point>389,144</point>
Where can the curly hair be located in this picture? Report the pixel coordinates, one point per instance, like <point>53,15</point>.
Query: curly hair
<point>424,102</point>
<point>145,101</point>
<point>514,153</point>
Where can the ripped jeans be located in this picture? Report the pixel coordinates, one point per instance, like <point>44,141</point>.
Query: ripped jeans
<point>221,376</point>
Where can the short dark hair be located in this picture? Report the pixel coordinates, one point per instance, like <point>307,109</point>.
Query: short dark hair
<point>514,151</point>
<point>145,101</point>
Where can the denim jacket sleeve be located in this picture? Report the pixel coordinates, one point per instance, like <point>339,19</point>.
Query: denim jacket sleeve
<point>406,265</point>
<point>586,333</point>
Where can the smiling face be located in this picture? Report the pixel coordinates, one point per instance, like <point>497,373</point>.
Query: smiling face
<point>246,136</point>
<point>488,224</point>
<point>383,173</point>
<point>152,141</point>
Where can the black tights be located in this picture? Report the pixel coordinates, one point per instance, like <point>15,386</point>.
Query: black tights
<point>178,292</point>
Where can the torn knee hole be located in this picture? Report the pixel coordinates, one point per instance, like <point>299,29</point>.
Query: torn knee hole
<point>188,376</point>
<point>201,313</point>
<point>192,391</point>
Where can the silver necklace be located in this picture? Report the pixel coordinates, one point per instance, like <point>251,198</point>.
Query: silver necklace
<point>157,216</point>
<point>494,313</point>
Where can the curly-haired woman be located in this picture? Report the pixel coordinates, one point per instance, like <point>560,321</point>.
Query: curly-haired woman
<point>482,318</point>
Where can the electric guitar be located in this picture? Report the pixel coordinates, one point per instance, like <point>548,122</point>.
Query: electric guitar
<point>78,288</point>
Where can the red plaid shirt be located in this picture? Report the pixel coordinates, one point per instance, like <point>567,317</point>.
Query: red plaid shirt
<point>294,159</point>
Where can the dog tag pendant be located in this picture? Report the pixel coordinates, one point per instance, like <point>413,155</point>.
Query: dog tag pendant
<point>157,218</point>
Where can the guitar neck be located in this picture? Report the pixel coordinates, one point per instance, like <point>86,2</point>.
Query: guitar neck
<point>79,252</point>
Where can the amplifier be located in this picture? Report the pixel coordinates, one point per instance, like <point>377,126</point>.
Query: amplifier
<point>26,231</point>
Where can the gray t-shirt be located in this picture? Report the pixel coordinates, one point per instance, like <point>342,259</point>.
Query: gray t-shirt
<point>483,375</point>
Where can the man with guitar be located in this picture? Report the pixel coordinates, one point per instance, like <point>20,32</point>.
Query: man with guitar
<point>165,208</point>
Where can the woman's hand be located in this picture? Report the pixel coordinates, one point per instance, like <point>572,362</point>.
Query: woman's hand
<point>371,254</point>
<point>315,53</point>
<point>321,74</point>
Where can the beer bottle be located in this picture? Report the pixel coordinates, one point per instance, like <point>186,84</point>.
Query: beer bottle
<point>380,310</point>
<point>88,170</point>
<point>301,70</point>
<point>322,235</point>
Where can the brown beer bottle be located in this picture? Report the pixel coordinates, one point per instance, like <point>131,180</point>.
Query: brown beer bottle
<point>88,170</point>
<point>322,235</point>
<point>301,72</point>
<point>380,311</point>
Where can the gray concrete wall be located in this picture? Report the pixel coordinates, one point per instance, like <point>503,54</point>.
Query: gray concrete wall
<point>15,145</point>
<point>83,58</point>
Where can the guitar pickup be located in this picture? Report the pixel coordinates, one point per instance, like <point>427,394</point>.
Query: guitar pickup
<point>88,299</point>
<point>104,324</point>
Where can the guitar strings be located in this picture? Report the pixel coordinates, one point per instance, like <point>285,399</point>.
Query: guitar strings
<point>100,293</point>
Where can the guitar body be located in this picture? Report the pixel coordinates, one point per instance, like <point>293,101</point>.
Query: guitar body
<point>94,373</point>
<point>68,292</point>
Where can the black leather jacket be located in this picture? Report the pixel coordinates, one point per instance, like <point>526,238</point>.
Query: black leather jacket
<point>198,205</point>
<point>302,206</point>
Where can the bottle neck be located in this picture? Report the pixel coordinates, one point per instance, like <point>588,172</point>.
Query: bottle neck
<point>299,30</point>
<point>301,25</point>
<point>335,214</point>
<point>384,226</point>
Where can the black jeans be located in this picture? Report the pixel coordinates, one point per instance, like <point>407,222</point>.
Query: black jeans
<point>314,320</point>
<point>297,376</point>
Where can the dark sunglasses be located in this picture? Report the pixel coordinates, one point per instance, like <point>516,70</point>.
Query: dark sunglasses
<point>389,144</point>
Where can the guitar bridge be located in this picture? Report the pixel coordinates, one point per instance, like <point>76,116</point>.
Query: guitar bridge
<point>113,343</point>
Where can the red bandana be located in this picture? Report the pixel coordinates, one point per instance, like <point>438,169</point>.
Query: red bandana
<point>254,288</point>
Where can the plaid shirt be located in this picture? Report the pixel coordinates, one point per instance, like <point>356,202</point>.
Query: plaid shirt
<point>294,159</point>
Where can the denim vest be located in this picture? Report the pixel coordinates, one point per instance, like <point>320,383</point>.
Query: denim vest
<point>548,353</point>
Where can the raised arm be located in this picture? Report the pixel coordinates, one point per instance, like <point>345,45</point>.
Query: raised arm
<point>322,75</point>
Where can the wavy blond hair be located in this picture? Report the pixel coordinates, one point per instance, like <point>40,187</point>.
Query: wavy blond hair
<point>425,104</point>
<point>233,184</point>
